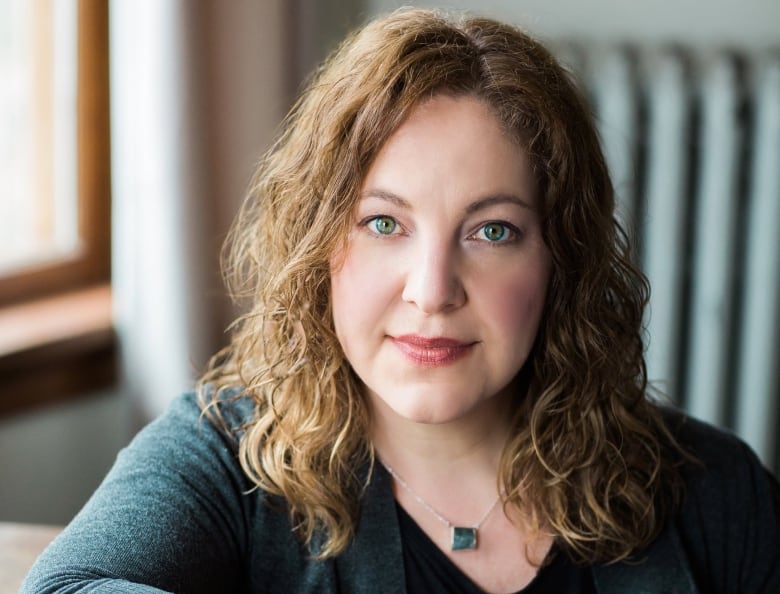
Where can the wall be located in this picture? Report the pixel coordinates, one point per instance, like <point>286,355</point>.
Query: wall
<point>52,459</point>
<point>197,92</point>
<point>743,23</point>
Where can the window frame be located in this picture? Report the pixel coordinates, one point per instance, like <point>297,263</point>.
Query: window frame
<point>92,263</point>
<point>51,362</point>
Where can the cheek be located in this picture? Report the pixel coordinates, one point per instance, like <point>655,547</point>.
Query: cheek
<point>360,290</point>
<point>342,294</point>
<point>518,303</point>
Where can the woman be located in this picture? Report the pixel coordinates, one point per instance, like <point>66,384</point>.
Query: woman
<point>439,383</point>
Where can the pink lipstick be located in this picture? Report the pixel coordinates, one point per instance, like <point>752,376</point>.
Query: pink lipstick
<point>433,351</point>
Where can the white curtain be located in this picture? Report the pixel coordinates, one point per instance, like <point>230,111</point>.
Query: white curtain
<point>197,89</point>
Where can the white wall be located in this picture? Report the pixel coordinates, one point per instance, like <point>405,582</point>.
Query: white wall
<point>743,23</point>
<point>195,92</point>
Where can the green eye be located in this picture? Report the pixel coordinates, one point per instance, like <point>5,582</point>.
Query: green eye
<point>384,225</point>
<point>494,231</point>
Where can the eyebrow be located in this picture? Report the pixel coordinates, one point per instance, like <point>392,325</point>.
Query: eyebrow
<point>497,199</point>
<point>477,205</point>
<point>386,196</point>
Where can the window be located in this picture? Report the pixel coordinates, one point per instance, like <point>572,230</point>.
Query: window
<point>54,160</point>
<point>55,207</point>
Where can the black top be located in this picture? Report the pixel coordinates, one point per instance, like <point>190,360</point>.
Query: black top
<point>429,571</point>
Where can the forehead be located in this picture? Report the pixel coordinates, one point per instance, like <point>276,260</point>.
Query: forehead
<point>455,146</point>
<point>468,113</point>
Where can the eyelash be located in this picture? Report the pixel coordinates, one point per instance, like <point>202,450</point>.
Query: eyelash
<point>375,218</point>
<point>511,234</point>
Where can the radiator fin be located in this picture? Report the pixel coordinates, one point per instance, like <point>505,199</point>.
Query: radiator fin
<point>692,139</point>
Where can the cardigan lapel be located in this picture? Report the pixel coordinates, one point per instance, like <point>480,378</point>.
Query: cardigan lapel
<point>373,563</point>
<point>663,569</point>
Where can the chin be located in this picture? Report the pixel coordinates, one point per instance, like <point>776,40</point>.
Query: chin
<point>421,407</point>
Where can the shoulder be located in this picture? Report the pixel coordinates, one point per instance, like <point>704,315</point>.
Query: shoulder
<point>232,405</point>
<point>729,519</point>
<point>176,494</point>
<point>202,415</point>
<point>719,468</point>
<point>719,462</point>
<point>713,449</point>
<point>186,448</point>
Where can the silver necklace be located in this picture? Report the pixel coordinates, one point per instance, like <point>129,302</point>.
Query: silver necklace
<point>462,537</point>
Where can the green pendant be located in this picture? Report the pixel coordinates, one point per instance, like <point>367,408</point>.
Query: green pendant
<point>463,538</point>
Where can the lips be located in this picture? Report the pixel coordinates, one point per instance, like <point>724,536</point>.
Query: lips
<point>431,351</point>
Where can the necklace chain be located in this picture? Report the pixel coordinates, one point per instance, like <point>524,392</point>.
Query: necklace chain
<point>428,507</point>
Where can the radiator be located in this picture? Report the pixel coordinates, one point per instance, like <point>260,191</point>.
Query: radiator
<point>693,144</point>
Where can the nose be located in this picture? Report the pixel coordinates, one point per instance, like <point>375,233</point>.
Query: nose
<point>433,280</point>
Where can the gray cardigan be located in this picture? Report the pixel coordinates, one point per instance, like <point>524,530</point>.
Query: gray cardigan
<point>177,514</point>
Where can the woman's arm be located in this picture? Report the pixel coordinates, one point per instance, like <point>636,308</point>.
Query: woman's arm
<point>171,515</point>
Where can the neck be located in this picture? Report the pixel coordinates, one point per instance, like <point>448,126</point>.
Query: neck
<point>467,446</point>
<point>445,475</point>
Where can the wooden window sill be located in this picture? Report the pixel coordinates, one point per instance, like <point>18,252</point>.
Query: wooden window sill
<point>20,545</point>
<point>55,349</point>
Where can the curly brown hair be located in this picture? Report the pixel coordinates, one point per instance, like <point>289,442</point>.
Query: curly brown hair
<point>590,457</point>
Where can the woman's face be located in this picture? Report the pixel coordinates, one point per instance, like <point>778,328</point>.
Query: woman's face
<point>439,292</point>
